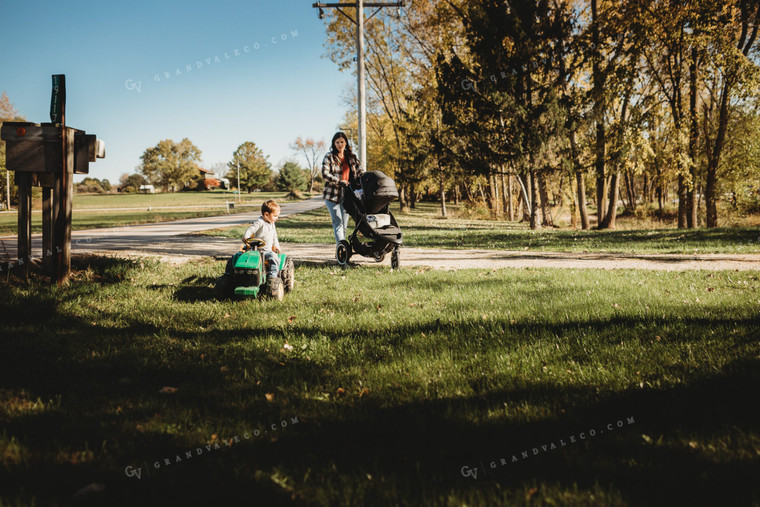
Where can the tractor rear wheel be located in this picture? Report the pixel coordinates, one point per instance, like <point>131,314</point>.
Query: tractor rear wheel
<point>288,275</point>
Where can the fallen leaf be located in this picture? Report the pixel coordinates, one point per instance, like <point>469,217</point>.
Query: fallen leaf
<point>224,368</point>
<point>341,391</point>
<point>291,319</point>
<point>364,393</point>
<point>269,396</point>
<point>168,390</point>
<point>287,346</point>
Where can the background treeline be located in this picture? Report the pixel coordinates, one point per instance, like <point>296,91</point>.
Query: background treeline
<point>535,106</point>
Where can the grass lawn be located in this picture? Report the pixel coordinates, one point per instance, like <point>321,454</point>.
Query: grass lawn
<point>132,209</point>
<point>381,388</point>
<point>422,228</point>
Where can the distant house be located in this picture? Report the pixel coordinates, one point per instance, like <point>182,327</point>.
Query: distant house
<point>147,189</point>
<point>206,180</point>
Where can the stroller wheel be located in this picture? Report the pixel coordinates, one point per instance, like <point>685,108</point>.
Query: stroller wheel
<point>394,258</point>
<point>343,252</point>
<point>379,256</point>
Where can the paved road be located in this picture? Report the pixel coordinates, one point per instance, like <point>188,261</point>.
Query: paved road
<point>146,237</point>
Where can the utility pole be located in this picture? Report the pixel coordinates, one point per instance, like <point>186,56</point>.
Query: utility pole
<point>359,5</point>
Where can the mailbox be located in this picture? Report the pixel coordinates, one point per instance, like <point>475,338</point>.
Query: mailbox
<point>87,148</point>
<point>31,147</point>
<point>38,148</point>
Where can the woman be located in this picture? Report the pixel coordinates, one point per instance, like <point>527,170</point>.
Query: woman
<point>339,167</point>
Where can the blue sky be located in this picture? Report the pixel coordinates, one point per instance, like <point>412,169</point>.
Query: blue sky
<point>256,74</point>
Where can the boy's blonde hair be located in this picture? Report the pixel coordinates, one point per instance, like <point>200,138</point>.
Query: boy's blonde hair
<point>269,206</point>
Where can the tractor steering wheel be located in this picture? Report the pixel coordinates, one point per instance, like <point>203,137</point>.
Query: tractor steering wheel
<point>253,242</point>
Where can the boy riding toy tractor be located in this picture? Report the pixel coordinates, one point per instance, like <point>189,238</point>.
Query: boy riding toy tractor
<point>247,274</point>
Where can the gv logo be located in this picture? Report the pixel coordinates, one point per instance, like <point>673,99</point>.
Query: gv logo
<point>469,472</point>
<point>131,85</point>
<point>132,472</point>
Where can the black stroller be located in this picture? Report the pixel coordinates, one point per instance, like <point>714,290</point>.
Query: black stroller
<point>366,199</point>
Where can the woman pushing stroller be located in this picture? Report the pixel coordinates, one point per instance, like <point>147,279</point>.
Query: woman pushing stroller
<point>339,167</point>
<point>364,196</point>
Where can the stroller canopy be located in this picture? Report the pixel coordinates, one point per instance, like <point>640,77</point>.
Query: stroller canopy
<point>379,190</point>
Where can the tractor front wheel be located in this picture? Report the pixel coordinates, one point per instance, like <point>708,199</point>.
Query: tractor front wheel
<point>275,288</point>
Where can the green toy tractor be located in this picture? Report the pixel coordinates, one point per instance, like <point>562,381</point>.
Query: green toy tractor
<point>246,274</point>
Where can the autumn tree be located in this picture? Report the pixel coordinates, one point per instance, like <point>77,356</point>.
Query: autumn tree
<point>172,166</point>
<point>7,188</point>
<point>252,166</point>
<point>312,152</point>
<point>733,52</point>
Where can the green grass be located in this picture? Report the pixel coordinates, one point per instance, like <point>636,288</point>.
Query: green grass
<point>422,228</point>
<point>133,209</point>
<point>397,379</point>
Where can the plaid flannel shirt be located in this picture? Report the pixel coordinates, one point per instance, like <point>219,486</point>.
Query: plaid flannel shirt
<point>331,173</point>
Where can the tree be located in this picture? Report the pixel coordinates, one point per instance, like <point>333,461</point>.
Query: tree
<point>252,165</point>
<point>731,50</point>
<point>312,151</point>
<point>92,186</point>
<point>130,183</point>
<point>173,166</point>
<point>291,179</point>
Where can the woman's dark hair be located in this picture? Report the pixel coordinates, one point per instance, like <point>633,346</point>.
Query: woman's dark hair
<point>348,153</point>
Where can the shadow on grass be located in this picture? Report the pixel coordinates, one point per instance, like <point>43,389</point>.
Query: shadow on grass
<point>356,449</point>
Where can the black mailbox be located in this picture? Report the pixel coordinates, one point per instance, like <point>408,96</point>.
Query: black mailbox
<point>31,147</point>
<point>38,148</point>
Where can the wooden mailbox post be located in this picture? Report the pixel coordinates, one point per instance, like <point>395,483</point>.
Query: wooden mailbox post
<point>47,155</point>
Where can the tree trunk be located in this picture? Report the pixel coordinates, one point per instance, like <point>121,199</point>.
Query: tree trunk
<point>493,195</point>
<point>711,207</point>
<point>598,113</point>
<point>691,218</point>
<point>682,211</point>
<point>647,190</point>
<point>524,196</point>
<point>545,204</point>
<point>630,190</point>
<point>508,203</point>
<point>611,215</point>
<point>456,194</point>
<point>535,221</point>
<point>580,183</point>
<point>403,205</point>
<point>443,193</point>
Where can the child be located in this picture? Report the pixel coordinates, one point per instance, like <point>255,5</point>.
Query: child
<point>264,228</point>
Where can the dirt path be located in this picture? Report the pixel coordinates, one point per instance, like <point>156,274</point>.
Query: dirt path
<point>179,242</point>
<point>186,247</point>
